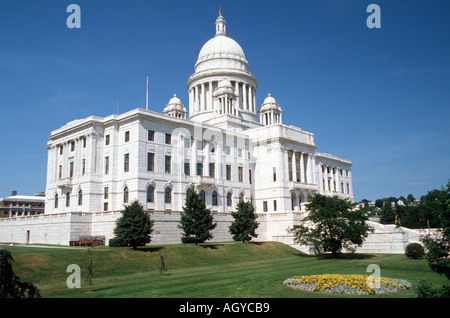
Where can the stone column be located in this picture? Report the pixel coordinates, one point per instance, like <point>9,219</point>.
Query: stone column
<point>320,178</point>
<point>302,168</point>
<point>210,99</point>
<point>286,164</point>
<point>254,101</point>
<point>236,92</point>
<point>196,99</point>
<point>244,96</point>
<point>194,157</point>
<point>294,168</point>
<point>250,98</point>
<point>202,98</point>
<point>191,102</point>
<point>313,169</point>
<point>206,160</point>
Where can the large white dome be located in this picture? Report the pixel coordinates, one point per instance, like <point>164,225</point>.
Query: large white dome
<point>221,52</point>
<point>221,46</point>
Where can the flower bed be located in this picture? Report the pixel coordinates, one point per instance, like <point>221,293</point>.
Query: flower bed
<point>347,284</point>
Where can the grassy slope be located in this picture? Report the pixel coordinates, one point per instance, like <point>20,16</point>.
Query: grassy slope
<point>207,270</point>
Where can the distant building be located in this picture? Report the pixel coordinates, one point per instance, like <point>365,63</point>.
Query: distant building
<point>22,205</point>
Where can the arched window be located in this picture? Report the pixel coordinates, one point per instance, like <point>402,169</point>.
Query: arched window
<point>150,194</point>
<point>67,199</point>
<point>241,197</point>
<point>202,195</point>
<point>229,201</point>
<point>80,197</point>
<point>56,200</point>
<point>125,195</point>
<point>214,198</point>
<point>168,195</point>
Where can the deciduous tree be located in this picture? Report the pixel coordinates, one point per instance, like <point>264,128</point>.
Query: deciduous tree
<point>332,224</point>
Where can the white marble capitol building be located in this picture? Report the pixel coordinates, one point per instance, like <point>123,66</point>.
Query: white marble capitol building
<point>224,144</point>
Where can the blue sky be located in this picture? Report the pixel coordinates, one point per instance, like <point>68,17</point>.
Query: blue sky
<point>378,97</point>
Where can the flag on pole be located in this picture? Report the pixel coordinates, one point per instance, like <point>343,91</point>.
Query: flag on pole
<point>146,103</point>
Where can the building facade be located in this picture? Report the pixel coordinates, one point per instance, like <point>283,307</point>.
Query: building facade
<point>224,145</point>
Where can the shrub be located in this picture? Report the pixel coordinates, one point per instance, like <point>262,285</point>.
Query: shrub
<point>414,250</point>
<point>190,239</point>
<point>114,243</point>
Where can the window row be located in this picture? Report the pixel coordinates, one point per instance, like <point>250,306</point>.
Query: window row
<point>150,137</point>
<point>168,196</point>
<point>187,167</point>
<point>72,145</point>
<point>67,199</point>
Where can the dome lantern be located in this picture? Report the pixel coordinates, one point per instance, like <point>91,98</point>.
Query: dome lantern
<point>221,25</point>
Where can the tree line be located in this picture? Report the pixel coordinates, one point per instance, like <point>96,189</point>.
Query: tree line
<point>426,214</point>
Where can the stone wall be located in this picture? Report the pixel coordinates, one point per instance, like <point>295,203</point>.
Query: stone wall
<point>60,228</point>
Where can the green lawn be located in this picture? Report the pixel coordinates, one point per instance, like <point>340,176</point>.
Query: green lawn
<point>215,270</point>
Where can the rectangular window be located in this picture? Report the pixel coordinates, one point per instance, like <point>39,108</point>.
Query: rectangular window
<point>228,172</point>
<point>167,164</point>
<point>84,142</point>
<point>200,169</point>
<point>106,165</point>
<point>212,169</point>
<point>105,206</point>
<point>126,162</point>
<point>83,167</point>
<point>151,135</point>
<point>60,172</point>
<point>168,139</point>
<point>342,187</point>
<point>239,152</point>
<point>250,176</point>
<point>72,146</point>
<point>107,140</point>
<point>150,161</point>
<point>241,174</point>
<point>71,169</point>
<point>264,206</point>
<point>61,150</point>
<point>127,136</point>
<point>274,174</point>
<point>274,205</point>
<point>106,193</point>
<point>187,142</point>
<point>187,168</point>
<point>228,150</point>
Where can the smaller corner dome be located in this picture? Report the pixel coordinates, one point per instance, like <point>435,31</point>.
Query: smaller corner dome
<point>225,83</point>
<point>174,100</point>
<point>269,104</point>
<point>174,105</point>
<point>269,100</point>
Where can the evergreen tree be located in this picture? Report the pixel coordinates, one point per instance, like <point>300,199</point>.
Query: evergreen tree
<point>196,220</point>
<point>387,214</point>
<point>244,225</point>
<point>134,228</point>
<point>10,284</point>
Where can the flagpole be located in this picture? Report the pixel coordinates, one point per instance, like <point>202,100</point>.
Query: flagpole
<point>146,103</point>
